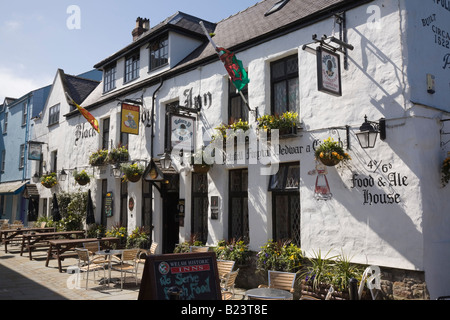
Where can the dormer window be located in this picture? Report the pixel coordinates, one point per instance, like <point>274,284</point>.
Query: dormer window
<point>109,78</point>
<point>132,67</point>
<point>159,53</point>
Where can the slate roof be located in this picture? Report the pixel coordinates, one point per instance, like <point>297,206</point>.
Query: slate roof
<point>78,88</point>
<point>179,21</point>
<point>238,32</point>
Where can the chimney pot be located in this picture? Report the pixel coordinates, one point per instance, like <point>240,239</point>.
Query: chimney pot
<point>142,25</point>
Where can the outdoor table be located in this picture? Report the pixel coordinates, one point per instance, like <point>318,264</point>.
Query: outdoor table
<point>7,235</point>
<point>58,248</point>
<point>109,253</point>
<point>269,293</point>
<point>32,240</point>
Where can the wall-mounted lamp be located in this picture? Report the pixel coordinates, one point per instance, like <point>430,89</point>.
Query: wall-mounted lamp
<point>117,173</point>
<point>62,175</point>
<point>369,132</point>
<point>166,161</point>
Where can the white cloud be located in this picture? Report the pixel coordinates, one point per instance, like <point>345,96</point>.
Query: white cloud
<point>15,85</point>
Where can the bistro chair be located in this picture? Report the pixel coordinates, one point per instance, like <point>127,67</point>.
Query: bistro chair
<point>128,264</point>
<point>224,267</point>
<point>227,285</point>
<point>87,264</point>
<point>142,255</point>
<point>281,280</point>
<point>94,247</point>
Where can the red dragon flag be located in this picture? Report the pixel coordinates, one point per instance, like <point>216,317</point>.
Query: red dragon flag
<point>234,67</point>
<point>89,117</point>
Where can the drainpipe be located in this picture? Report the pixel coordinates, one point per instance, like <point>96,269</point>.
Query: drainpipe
<point>27,132</point>
<point>152,117</point>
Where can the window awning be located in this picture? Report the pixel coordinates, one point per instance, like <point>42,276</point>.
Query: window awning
<point>12,188</point>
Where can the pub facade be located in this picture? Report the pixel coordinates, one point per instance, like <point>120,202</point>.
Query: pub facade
<point>335,67</point>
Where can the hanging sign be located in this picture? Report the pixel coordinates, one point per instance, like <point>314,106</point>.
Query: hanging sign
<point>329,72</point>
<point>35,151</point>
<point>182,132</point>
<point>129,122</point>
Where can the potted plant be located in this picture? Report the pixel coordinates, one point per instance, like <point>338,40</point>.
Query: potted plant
<point>98,158</point>
<point>139,238</point>
<point>234,250</point>
<point>331,153</point>
<point>82,178</point>
<point>132,172</point>
<point>224,129</point>
<point>286,123</point>
<point>279,256</point>
<point>119,232</point>
<point>49,180</point>
<point>445,170</point>
<point>118,154</point>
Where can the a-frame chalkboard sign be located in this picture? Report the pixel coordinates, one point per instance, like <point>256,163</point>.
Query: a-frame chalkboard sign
<point>195,276</point>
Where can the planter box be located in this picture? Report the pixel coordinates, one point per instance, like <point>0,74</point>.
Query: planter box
<point>200,168</point>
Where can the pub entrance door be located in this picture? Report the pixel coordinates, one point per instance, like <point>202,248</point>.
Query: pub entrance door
<point>171,221</point>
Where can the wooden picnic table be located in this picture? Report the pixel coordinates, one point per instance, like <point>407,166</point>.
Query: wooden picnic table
<point>63,248</point>
<point>34,240</point>
<point>8,235</point>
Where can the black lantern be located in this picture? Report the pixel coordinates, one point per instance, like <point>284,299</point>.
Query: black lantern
<point>368,134</point>
<point>62,175</point>
<point>166,161</point>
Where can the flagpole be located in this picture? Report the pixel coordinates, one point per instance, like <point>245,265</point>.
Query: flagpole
<point>218,53</point>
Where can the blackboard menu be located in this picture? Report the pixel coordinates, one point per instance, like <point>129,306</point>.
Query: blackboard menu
<point>193,275</point>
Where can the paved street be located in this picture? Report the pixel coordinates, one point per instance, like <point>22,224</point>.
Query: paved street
<point>25,279</point>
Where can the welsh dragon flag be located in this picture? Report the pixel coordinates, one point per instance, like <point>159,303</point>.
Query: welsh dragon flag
<point>234,67</point>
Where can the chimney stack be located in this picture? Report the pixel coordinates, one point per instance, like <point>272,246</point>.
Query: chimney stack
<point>142,25</point>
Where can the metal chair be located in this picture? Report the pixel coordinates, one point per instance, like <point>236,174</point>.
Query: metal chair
<point>146,253</point>
<point>224,267</point>
<point>93,248</point>
<point>86,264</point>
<point>198,249</point>
<point>128,264</point>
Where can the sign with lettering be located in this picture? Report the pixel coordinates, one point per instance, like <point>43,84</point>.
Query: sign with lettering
<point>130,119</point>
<point>109,204</point>
<point>329,72</point>
<point>193,275</point>
<point>182,132</point>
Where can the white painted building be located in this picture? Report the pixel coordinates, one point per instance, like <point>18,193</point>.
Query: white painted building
<point>388,207</point>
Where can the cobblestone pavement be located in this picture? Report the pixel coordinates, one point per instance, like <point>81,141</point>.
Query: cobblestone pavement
<point>25,279</point>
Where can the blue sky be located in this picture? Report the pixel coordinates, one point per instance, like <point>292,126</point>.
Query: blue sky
<point>35,40</point>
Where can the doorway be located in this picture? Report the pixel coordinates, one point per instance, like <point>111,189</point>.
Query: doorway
<point>170,192</point>
<point>171,223</point>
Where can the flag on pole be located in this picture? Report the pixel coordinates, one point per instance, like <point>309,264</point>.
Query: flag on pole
<point>89,117</point>
<point>234,67</point>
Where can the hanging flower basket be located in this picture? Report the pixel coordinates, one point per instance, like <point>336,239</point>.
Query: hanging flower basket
<point>49,180</point>
<point>132,172</point>
<point>98,158</point>
<point>119,154</point>
<point>82,178</point>
<point>331,153</point>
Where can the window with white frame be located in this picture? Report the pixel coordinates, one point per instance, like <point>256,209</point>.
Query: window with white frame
<point>24,114</point>
<point>53,117</point>
<point>159,53</point>
<point>5,123</point>
<point>22,157</point>
<point>109,78</point>
<point>285,85</point>
<point>132,67</point>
